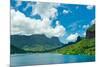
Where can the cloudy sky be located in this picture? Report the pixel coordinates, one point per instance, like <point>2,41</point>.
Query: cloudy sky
<point>65,21</point>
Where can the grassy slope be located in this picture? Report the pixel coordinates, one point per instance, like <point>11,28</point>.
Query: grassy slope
<point>84,47</point>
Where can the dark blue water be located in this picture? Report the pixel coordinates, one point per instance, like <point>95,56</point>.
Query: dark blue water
<point>47,58</point>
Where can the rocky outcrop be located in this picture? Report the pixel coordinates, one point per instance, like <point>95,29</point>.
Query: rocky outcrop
<point>90,33</point>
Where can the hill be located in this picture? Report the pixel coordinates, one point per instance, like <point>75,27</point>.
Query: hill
<point>35,42</point>
<point>40,43</point>
<point>90,33</point>
<point>16,50</point>
<point>86,46</point>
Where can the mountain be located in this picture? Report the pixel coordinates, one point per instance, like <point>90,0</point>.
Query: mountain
<point>86,46</point>
<point>16,50</point>
<point>35,42</point>
<point>40,43</point>
<point>90,33</point>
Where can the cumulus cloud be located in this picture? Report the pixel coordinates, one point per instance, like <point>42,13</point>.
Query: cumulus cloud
<point>72,37</point>
<point>45,10</point>
<point>20,24</point>
<point>89,7</point>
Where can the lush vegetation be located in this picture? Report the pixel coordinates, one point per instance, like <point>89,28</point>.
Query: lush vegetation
<point>91,28</point>
<point>37,44</point>
<point>85,47</point>
<point>16,50</point>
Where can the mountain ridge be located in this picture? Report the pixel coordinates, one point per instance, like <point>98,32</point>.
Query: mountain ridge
<point>35,42</point>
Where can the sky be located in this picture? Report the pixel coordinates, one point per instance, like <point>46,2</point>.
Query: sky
<point>65,21</point>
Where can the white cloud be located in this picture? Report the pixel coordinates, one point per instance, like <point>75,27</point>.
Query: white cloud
<point>20,24</point>
<point>93,22</point>
<point>85,26</point>
<point>45,10</point>
<point>89,7</point>
<point>66,11</point>
<point>72,37</point>
<point>84,34</point>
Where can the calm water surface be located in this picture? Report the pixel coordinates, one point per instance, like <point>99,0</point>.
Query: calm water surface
<point>47,58</point>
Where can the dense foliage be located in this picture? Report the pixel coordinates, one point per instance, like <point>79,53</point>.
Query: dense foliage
<point>85,47</point>
<point>34,44</point>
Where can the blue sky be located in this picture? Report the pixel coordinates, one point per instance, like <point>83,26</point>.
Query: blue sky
<point>73,18</point>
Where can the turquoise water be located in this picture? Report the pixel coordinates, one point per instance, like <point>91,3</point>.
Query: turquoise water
<point>47,58</point>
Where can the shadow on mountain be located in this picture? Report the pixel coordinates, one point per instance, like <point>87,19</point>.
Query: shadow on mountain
<point>42,44</point>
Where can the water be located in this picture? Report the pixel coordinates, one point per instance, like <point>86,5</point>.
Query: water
<point>47,58</point>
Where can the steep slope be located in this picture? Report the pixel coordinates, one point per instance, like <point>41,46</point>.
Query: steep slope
<point>35,42</point>
<point>16,50</point>
<point>90,33</point>
<point>85,46</point>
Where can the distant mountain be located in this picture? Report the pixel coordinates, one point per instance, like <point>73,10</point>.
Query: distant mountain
<point>35,42</point>
<point>16,50</point>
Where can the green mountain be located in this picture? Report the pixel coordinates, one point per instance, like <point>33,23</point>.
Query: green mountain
<point>86,46</point>
<point>40,43</point>
<point>35,43</point>
<point>90,33</point>
<point>91,28</point>
<point>16,50</point>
